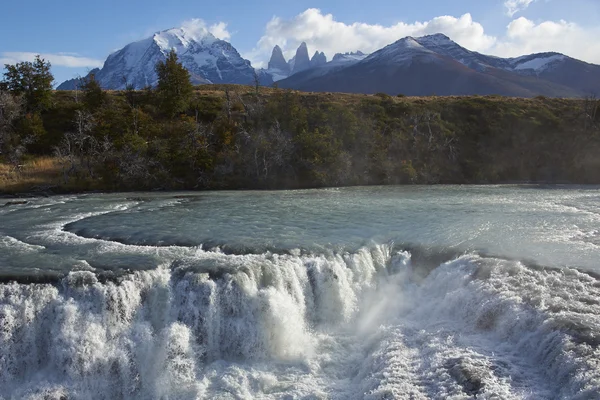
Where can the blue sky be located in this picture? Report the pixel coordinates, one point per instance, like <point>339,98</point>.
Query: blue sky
<point>77,35</point>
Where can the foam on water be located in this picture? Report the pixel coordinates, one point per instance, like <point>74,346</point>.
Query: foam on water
<point>497,329</point>
<point>17,245</point>
<point>160,296</point>
<point>344,325</point>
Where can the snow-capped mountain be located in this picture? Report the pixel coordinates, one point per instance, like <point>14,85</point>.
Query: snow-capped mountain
<point>208,59</point>
<point>435,64</point>
<point>526,65</point>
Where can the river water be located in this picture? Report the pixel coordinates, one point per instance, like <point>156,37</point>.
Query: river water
<point>459,292</point>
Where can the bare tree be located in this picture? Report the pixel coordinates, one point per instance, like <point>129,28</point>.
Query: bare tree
<point>227,105</point>
<point>422,125</point>
<point>253,108</point>
<point>11,109</point>
<point>268,150</point>
<point>134,167</point>
<point>78,148</point>
<point>256,82</point>
<point>197,142</point>
<point>590,107</point>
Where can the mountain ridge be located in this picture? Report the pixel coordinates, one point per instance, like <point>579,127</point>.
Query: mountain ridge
<point>435,64</point>
<point>411,65</point>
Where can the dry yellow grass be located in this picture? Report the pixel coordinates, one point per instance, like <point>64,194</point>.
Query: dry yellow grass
<point>349,99</point>
<point>34,174</point>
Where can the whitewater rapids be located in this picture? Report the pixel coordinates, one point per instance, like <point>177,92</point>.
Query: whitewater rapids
<point>374,321</point>
<point>345,326</point>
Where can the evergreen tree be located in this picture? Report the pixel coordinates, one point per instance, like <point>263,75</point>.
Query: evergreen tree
<point>93,95</point>
<point>32,80</point>
<point>174,87</point>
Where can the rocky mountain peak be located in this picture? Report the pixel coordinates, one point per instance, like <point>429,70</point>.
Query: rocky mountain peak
<point>277,61</point>
<point>301,60</point>
<point>318,59</point>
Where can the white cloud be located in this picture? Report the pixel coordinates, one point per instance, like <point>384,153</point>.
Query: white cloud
<point>515,6</point>
<point>70,60</point>
<point>522,36</point>
<point>220,31</point>
<point>322,32</point>
<point>196,27</point>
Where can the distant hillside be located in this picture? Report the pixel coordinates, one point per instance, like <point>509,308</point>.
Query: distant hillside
<point>75,83</point>
<point>436,65</point>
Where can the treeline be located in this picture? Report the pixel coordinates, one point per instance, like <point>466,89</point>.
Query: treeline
<point>177,136</point>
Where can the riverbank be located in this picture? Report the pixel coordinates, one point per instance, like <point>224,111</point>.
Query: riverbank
<point>32,176</point>
<point>44,177</point>
<point>41,176</point>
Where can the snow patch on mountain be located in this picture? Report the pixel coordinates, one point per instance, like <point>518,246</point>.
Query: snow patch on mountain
<point>402,52</point>
<point>348,57</point>
<point>277,74</point>
<point>183,37</point>
<point>537,64</point>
